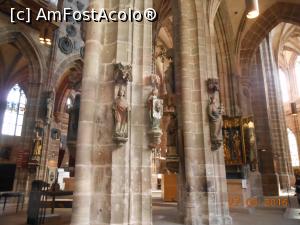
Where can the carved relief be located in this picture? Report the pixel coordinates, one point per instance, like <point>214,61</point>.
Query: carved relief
<point>215,112</point>
<point>71,30</point>
<point>65,45</point>
<point>122,75</point>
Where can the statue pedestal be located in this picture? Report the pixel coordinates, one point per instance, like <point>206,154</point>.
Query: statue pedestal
<point>155,137</point>
<point>120,140</point>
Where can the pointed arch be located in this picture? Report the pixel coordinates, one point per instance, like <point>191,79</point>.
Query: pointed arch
<point>70,70</point>
<point>14,113</point>
<point>27,45</point>
<point>279,12</point>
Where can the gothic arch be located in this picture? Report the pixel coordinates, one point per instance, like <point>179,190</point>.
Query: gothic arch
<point>26,44</point>
<point>279,12</point>
<point>62,86</point>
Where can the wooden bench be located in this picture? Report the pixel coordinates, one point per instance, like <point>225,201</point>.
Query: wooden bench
<point>57,203</point>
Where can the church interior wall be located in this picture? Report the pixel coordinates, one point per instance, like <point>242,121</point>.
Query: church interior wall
<point>173,61</point>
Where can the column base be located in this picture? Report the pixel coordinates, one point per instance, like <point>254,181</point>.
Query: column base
<point>221,220</point>
<point>270,184</point>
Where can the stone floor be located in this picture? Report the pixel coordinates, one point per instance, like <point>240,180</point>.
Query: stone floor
<point>167,214</point>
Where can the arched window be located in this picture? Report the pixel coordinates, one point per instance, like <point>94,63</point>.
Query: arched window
<point>284,86</point>
<point>69,103</point>
<point>297,72</point>
<point>14,113</point>
<point>293,148</point>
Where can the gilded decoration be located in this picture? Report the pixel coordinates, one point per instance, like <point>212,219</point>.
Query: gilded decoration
<point>232,141</point>
<point>239,141</point>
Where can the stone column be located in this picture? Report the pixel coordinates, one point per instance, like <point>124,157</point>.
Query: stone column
<point>205,187</point>
<point>83,195</point>
<point>276,117</point>
<point>270,180</point>
<point>113,180</point>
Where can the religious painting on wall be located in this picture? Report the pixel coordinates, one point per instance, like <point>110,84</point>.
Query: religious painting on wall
<point>233,141</point>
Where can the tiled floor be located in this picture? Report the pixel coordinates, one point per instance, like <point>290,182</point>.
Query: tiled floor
<point>167,214</point>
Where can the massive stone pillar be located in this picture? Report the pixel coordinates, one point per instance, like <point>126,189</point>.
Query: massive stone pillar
<point>205,187</point>
<point>113,175</point>
<point>276,117</point>
<point>270,180</point>
<point>272,144</point>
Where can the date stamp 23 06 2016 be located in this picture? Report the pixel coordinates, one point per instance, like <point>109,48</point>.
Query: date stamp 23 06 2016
<point>237,201</point>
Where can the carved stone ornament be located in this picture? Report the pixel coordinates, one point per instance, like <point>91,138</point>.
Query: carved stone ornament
<point>155,80</point>
<point>122,75</point>
<point>82,49</point>
<point>65,45</point>
<point>213,86</point>
<point>155,110</point>
<point>80,5</point>
<point>215,112</point>
<point>71,30</point>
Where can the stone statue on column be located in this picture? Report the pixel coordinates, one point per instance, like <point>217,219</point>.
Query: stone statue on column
<point>120,112</point>
<point>120,108</point>
<point>37,148</point>
<point>155,106</point>
<point>50,105</point>
<point>155,110</point>
<point>215,112</point>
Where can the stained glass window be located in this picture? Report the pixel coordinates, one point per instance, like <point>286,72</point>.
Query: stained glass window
<point>14,113</point>
<point>69,103</point>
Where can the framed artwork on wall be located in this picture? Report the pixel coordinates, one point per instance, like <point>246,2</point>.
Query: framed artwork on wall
<point>233,141</point>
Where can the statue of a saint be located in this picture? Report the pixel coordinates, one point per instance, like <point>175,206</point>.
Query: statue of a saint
<point>120,112</point>
<point>37,147</point>
<point>50,104</point>
<point>215,117</point>
<point>155,106</point>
